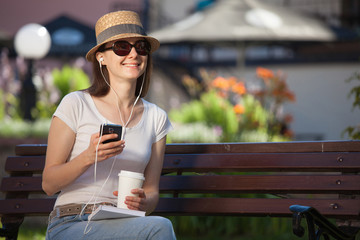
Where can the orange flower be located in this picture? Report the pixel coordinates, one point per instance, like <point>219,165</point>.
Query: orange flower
<point>221,83</point>
<point>239,88</point>
<point>232,81</point>
<point>239,109</point>
<point>264,73</point>
<point>288,133</point>
<point>276,93</point>
<point>290,95</point>
<point>222,94</point>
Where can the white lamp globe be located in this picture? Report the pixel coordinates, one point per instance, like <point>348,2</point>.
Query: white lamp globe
<point>32,41</point>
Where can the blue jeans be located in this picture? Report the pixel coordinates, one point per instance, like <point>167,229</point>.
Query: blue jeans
<point>77,227</point>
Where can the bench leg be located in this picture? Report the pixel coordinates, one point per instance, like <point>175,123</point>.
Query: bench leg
<point>10,227</point>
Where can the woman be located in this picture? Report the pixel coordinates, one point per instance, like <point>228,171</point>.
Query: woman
<point>81,166</point>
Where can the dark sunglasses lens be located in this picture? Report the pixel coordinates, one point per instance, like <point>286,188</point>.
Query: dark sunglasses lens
<point>142,47</point>
<point>122,48</point>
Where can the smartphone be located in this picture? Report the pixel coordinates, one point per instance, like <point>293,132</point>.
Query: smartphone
<point>109,129</point>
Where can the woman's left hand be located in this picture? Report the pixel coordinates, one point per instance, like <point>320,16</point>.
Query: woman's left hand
<point>135,202</point>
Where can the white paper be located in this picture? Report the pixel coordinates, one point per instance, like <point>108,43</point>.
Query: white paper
<point>108,212</point>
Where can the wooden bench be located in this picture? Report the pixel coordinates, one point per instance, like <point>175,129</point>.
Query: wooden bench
<point>314,179</point>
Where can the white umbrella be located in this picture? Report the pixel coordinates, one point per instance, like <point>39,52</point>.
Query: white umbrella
<point>246,21</point>
<point>240,22</point>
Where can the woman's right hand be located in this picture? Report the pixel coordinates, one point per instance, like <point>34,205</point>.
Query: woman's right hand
<point>104,150</point>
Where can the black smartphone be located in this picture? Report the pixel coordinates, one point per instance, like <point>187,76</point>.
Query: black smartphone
<point>109,129</point>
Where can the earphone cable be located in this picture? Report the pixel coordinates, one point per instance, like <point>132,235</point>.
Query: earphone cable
<point>117,99</point>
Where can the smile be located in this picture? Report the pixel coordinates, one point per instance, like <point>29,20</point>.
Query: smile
<point>131,64</point>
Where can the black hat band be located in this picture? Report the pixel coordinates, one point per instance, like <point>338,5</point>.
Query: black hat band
<point>119,29</point>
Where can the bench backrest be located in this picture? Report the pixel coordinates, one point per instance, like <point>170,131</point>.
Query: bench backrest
<point>256,179</point>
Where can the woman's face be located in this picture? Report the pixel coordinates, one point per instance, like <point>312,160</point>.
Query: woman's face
<point>128,67</point>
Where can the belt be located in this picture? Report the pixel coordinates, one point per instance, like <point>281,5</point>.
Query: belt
<point>75,209</point>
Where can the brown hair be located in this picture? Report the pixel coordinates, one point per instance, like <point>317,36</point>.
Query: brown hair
<point>100,88</point>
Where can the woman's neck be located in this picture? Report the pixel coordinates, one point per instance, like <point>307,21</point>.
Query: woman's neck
<point>124,93</point>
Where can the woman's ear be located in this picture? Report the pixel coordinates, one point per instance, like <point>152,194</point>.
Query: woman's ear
<point>100,58</point>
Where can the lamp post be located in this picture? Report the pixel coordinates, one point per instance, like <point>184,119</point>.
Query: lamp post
<point>32,42</point>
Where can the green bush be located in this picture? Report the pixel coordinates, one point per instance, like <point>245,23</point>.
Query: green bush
<point>64,81</point>
<point>9,105</point>
<point>51,88</point>
<point>230,112</point>
<point>23,129</point>
<point>70,79</point>
<point>354,131</point>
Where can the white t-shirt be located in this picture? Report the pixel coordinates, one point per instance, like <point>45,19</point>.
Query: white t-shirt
<point>79,112</point>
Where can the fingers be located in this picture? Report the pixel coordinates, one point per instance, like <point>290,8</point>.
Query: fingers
<point>136,203</point>
<point>112,136</point>
<point>95,138</point>
<point>139,191</point>
<point>105,150</point>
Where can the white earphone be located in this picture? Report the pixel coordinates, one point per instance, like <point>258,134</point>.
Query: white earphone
<point>100,60</point>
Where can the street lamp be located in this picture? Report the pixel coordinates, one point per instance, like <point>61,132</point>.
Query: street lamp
<point>32,42</point>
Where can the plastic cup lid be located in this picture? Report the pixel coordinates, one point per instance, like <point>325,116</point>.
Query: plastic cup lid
<point>124,173</point>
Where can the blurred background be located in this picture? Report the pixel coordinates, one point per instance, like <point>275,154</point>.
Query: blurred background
<point>227,70</point>
<point>313,45</point>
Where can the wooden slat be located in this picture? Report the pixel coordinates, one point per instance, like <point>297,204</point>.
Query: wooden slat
<point>310,162</point>
<point>318,146</point>
<point>349,208</point>
<point>25,164</point>
<point>21,184</point>
<point>349,184</point>
<point>30,149</point>
<point>27,206</point>
<point>268,147</point>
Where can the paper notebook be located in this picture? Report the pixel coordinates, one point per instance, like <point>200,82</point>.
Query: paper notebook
<point>107,212</point>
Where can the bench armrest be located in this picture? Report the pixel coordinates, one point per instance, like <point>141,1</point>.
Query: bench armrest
<point>317,224</point>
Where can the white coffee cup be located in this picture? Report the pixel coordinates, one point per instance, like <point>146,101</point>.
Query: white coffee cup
<point>128,181</point>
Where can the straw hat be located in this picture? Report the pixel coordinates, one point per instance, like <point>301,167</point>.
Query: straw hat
<point>118,25</point>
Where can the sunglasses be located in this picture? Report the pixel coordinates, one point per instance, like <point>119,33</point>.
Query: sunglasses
<point>123,48</point>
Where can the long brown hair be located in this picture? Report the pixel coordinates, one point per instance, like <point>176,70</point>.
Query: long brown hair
<point>100,88</point>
